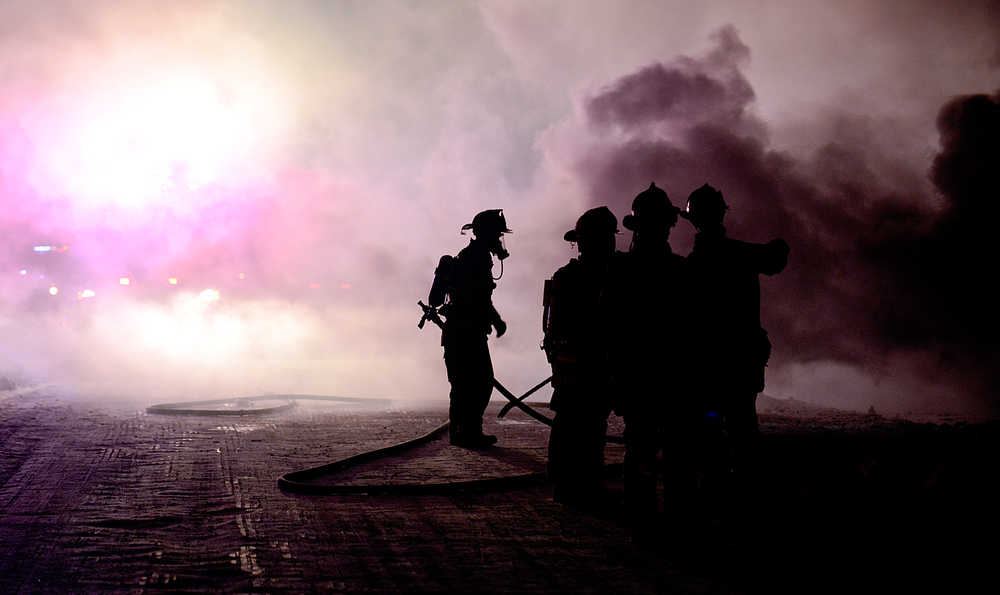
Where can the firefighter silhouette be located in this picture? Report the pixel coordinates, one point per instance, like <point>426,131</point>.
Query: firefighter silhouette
<point>577,344</point>
<point>730,348</point>
<point>650,368</point>
<point>469,318</point>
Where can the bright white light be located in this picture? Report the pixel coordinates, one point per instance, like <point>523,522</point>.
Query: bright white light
<point>187,330</point>
<point>43,248</point>
<point>152,136</point>
<point>24,272</point>
<point>85,294</point>
<point>172,280</point>
<point>209,295</point>
<point>53,290</point>
<point>124,281</point>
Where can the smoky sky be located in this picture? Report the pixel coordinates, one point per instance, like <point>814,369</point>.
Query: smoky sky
<point>878,267</point>
<point>312,161</point>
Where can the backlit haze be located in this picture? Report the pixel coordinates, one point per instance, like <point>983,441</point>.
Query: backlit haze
<point>203,199</point>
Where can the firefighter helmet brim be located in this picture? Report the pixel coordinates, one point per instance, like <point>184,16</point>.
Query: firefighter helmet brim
<point>594,221</point>
<point>705,206</point>
<point>487,223</point>
<point>651,204</point>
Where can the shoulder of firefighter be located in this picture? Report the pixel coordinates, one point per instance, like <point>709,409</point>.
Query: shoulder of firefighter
<point>469,289</point>
<point>572,337</point>
<point>472,270</point>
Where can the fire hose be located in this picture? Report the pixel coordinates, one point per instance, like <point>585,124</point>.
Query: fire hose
<point>199,407</point>
<point>302,481</point>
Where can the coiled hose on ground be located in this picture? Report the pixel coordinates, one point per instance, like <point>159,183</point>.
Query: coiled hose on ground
<point>302,481</point>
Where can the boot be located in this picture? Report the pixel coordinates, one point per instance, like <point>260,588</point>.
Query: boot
<point>471,436</point>
<point>471,440</point>
<point>456,433</point>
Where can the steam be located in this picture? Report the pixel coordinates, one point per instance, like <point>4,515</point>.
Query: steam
<point>194,346</point>
<point>311,163</point>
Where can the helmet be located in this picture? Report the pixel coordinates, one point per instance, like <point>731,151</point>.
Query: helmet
<point>705,206</point>
<point>487,223</point>
<point>651,204</point>
<point>596,220</point>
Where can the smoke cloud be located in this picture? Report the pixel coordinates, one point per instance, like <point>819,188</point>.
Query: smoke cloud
<point>885,278</point>
<point>298,170</point>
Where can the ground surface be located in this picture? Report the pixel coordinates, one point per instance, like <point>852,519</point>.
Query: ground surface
<point>97,498</point>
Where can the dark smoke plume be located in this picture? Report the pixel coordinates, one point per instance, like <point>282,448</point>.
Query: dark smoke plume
<point>881,270</point>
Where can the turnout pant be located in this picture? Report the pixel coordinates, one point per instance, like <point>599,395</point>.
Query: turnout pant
<point>576,452</point>
<point>690,448</point>
<point>739,409</point>
<point>470,372</point>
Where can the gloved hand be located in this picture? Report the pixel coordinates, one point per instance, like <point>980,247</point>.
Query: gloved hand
<point>501,327</point>
<point>777,258</point>
<point>780,246</point>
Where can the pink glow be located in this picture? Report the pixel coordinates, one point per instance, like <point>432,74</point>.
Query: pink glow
<point>272,152</point>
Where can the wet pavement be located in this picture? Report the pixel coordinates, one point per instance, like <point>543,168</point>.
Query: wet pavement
<point>100,498</point>
<point>108,498</point>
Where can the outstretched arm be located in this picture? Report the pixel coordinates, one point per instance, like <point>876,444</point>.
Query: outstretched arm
<point>775,257</point>
<point>767,259</point>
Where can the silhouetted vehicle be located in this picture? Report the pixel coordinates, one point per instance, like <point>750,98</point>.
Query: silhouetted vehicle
<point>469,318</point>
<point>731,348</point>
<point>577,343</point>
